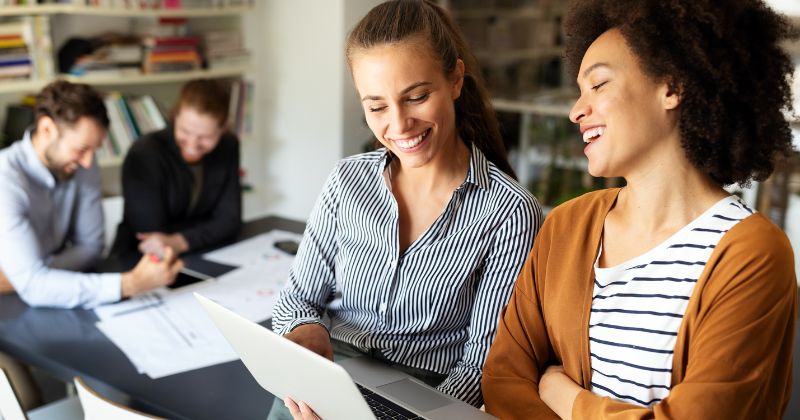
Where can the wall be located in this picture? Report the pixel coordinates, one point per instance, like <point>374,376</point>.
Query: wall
<point>356,132</point>
<point>306,114</point>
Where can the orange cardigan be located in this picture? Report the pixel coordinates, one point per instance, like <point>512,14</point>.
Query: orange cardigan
<point>733,354</point>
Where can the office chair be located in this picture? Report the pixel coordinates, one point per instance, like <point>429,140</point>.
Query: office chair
<point>65,409</point>
<point>97,407</point>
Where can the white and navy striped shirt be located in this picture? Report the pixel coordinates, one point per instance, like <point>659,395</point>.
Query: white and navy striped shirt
<point>433,307</point>
<point>638,307</point>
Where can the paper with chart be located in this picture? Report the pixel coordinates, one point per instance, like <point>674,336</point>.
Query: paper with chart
<point>165,331</point>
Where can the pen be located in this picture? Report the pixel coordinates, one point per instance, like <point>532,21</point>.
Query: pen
<point>197,274</point>
<point>138,308</point>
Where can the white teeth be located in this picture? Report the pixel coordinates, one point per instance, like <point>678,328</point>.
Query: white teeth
<point>410,144</point>
<point>591,134</point>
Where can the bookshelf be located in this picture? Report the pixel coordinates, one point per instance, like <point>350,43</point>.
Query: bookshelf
<point>518,44</point>
<point>143,79</point>
<point>77,9</point>
<point>61,21</point>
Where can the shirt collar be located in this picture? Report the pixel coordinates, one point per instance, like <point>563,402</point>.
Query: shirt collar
<point>477,174</point>
<point>36,168</point>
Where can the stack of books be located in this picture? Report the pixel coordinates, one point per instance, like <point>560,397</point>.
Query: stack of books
<point>224,49</point>
<point>16,61</point>
<point>175,53</point>
<point>169,47</point>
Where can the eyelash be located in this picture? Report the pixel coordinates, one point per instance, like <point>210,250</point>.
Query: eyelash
<point>419,99</point>
<point>599,85</point>
<point>414,100</point>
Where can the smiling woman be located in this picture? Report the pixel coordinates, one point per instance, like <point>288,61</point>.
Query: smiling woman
<point>667,298</point>
<point>412,249</point>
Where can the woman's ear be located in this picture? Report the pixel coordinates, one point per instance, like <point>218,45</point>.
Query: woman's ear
<point>457,79</point>
<point>672,95</point>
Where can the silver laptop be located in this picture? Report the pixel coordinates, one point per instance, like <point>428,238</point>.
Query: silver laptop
<point>356,388</point>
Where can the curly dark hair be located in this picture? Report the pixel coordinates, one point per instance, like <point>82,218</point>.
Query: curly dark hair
<point>67,102</point>
<point>725,59</point>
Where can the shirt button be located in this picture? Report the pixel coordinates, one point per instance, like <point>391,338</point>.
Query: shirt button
<point>393,263</point>
<point>383,308</point>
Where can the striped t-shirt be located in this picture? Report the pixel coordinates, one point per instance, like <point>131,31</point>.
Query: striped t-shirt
<point>638,307</point>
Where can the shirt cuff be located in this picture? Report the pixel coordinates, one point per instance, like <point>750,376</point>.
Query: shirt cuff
<point>303,321</point>
<point>109,288</point>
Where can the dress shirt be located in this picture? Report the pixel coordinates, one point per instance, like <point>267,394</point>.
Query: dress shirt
<point>50,230</point>
<point>434,306</point>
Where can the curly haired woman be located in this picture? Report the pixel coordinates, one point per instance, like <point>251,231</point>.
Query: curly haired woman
<point>667,298</point>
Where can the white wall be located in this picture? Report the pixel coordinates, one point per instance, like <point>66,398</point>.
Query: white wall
<point>305,112</point>
<point>356,133</point>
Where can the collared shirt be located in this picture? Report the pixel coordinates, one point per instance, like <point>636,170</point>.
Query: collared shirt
<point>50,230</point>
<point>434,306</point>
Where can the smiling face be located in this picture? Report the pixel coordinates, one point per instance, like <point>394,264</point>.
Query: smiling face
<point>196,134</point>
<point>70,147</point>
<point>408,101</point>
<point>628,120</point>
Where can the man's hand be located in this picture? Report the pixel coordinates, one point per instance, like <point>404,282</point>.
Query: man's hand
<point>156,242</point>
<point>5,285</point>
<point>313,337</point>
<point>151,272</point>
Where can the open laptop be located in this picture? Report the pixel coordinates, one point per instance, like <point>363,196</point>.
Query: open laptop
<point>356,388</point>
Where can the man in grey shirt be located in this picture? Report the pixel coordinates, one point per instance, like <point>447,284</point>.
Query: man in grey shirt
<point>51,219</point>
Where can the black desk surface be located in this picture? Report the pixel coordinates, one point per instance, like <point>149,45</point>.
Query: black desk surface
<point>65,343</point>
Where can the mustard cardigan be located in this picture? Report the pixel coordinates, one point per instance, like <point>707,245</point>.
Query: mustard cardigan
<point>733,354</point>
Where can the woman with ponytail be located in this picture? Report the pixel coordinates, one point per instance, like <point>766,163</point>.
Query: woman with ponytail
<point>412,249</point>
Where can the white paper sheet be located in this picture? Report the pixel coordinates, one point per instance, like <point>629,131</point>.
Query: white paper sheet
<point>164,332</point>
<point>253,251</point>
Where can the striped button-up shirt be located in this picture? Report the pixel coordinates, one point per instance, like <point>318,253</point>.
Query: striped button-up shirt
<point>434,306</point>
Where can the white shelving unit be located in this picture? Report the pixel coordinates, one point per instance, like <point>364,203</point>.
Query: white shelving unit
<point>74,9</point>
<point>138,79</point>
<point>81,21</point>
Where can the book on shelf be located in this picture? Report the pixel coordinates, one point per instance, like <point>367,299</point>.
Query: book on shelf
<point>225,49</point>
<point>240,119</point>
<point>130,117</point>
<point>137,4</point>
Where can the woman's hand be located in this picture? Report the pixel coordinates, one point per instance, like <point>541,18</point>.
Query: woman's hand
<point>313,337</point>
<point>558,391</point>
<point>300,411</point>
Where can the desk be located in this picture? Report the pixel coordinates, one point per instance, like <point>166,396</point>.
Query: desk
<point>65,343</point>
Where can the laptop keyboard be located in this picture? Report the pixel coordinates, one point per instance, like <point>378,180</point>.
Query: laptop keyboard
<point>383,408</point>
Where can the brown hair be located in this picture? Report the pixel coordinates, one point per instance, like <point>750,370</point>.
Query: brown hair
<point>206,96</point>
<point>403,20</point>
<point>734,87</point>
<point>66,103</point>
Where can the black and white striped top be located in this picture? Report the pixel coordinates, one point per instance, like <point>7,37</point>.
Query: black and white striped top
<point>638,307</point>
<point>436,305</point>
